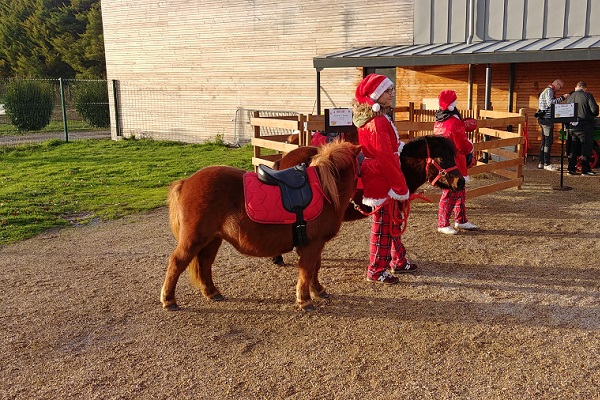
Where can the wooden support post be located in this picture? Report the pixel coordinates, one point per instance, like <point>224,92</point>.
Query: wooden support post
<point>256,134</point>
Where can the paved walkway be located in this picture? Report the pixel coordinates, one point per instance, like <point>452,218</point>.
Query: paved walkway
<point>11,140</point>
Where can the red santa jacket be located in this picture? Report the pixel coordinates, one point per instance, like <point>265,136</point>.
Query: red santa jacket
<point>381,174</point>
<point>454,129</point>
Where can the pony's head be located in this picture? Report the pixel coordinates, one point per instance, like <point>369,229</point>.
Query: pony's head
<point>440,170</point>
<point>337,164</point>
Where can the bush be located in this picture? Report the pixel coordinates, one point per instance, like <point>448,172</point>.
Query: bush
<point>91,102</point>
<point>29,104</point>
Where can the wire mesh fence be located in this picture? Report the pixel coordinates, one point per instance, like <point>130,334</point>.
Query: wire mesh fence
<point>97,108</point>
<point>186,114</point>
<point>40,109</point>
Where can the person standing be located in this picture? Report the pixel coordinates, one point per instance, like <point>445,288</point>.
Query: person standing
<point>382,178</point>
<point>545,101</point>
<point>582,131</point>
<point>449,123</point>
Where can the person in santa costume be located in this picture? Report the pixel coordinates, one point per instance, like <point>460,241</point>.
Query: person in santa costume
<point>383,181</point>
<point>450,124</point>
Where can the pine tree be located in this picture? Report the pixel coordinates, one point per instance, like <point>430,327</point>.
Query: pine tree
<point>51,38</point>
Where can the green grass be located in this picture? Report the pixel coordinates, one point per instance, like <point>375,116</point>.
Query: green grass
<point>57,184</point>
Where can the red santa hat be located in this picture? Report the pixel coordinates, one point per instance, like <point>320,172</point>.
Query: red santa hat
<point>447,100</point>
<point>371,88</point>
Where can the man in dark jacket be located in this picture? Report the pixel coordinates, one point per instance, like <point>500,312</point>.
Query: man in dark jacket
<point>582,131</point>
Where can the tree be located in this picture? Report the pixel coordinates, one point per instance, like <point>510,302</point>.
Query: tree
<point>51,38</point>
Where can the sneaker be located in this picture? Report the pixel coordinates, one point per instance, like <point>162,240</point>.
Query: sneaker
<point>467,226</point>
<point>550,167</point>
<point>589,173</point>
<point>540,166</point>
<point>408,267</point>
<point>385,278</point>
<point>448,230</point>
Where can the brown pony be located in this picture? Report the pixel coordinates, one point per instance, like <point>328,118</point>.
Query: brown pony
<point>208,207</point>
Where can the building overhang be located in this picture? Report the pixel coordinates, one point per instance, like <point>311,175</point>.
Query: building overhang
<point>487,52</point>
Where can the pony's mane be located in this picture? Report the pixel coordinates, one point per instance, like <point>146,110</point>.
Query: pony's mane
<point>330,159</point>
<point>414,145</point>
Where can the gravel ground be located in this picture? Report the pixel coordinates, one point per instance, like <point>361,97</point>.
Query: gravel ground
<point>511,311</point>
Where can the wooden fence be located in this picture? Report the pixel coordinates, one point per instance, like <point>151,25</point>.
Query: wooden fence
<point>498,141</point>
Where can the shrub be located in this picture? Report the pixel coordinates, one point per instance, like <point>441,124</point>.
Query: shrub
<point>29,104</point>
<point>91,102</point>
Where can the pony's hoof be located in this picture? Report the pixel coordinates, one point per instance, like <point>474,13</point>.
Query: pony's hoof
<point>171,307</point>
<point>217,297</point>
<point>308,307</point>
<point>323,295</point>
<point>278,260</point>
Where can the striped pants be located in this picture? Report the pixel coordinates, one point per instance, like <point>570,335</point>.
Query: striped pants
<point>452,202</point>
<point>386,249</point>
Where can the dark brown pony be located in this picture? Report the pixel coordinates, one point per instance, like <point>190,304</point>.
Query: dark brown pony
<point>208,207</point>
<point>427,158</point>
<point>424,159</point>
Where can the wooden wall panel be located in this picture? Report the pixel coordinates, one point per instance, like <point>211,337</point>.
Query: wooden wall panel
<point>239,55</point>
<point>530,79</point>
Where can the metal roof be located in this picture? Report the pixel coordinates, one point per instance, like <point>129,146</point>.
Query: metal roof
<point>487,52</point>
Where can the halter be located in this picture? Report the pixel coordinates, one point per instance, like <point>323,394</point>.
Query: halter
<point>441,171</point>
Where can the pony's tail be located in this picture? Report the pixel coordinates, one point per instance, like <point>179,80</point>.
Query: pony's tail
<point>174,191</point>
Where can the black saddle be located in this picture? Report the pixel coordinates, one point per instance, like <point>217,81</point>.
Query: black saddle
<point>330,136</point>
<point>296,194</point>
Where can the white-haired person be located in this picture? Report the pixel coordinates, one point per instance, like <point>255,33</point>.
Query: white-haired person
<point>382,178</point>
<point>545,101</point>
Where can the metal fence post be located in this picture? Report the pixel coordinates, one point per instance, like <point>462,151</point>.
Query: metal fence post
<point>64,109</point>
<point>116,102</point>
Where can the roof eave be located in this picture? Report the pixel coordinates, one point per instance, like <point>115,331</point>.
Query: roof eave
<point>455,59</point>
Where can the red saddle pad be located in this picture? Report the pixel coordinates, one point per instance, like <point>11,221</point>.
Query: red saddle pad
<point>264,205</point>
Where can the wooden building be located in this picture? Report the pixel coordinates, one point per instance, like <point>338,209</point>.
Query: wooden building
<point>190,70</point>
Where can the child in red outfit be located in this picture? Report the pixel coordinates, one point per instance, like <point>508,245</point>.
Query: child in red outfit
<point>450,124</point>
<point>383,181</point>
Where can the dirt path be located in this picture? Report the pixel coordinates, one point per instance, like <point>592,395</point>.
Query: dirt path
<point>508,312</point>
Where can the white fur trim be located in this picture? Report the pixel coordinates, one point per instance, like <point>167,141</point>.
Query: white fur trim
<point>367,201</point>
<point>400,147</point>
<point>383,86</point>
<point>467,179</point>
<point>393,126</point>
<point>452,106</point>
<point>397,196</point>
<point>376,107</point>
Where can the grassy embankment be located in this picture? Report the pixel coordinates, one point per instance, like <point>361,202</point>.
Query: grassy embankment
<point>56,184</point>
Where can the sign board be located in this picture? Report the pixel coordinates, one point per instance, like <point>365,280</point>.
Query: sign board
<point>564,112</point>
<point>339,120</point>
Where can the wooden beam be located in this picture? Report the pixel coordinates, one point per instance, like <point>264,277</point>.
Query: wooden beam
<point>275,123</point>
<point>480,191</point>
<point>273,145</point>
<point>495,144</point>
<point>258,161</point>
<point>494,165</point>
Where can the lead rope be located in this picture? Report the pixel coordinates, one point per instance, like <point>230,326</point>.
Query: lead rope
<point>405,209</point>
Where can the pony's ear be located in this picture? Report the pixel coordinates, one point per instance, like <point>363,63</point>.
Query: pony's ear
<point>357,149</point>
